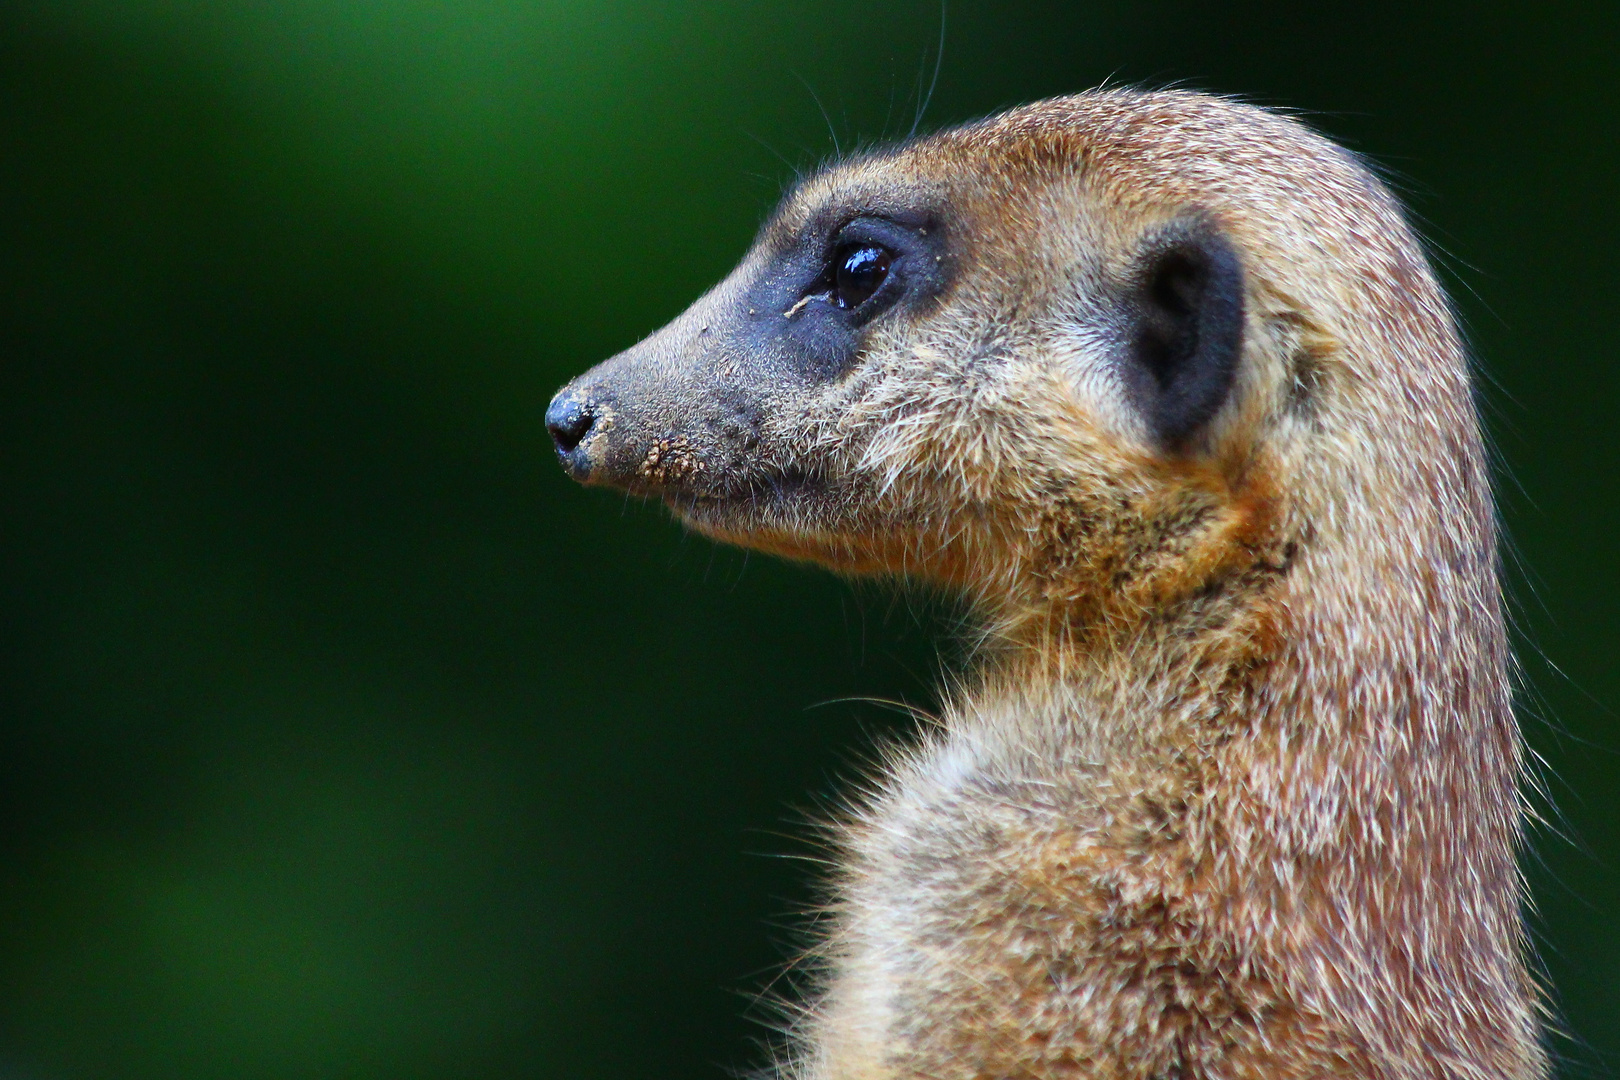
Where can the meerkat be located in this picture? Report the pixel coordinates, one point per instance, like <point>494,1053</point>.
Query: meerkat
<point>1164,385</point>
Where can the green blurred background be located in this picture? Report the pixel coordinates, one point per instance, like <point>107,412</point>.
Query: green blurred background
<point>341,736</point>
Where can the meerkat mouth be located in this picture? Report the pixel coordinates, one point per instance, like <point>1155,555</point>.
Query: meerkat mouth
<point>771,497</point>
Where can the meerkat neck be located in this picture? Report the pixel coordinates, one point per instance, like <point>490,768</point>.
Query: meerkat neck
<point>1340,717</point>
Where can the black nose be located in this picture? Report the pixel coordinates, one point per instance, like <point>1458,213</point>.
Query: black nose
<point>569,420</point>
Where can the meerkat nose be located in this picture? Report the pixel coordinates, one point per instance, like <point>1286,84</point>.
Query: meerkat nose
<point>569,420</point>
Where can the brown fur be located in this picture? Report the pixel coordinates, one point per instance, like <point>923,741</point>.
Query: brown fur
<point>1234,791</point>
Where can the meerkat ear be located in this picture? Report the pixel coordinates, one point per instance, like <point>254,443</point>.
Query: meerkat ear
<point>1187,328</point>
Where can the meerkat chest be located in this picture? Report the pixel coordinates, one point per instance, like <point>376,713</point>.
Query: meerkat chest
<point>1005,905</point>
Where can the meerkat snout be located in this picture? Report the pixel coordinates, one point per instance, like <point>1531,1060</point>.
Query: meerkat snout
<point>713,412</point>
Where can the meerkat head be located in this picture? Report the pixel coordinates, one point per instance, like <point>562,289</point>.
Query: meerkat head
<point>1063,358</point>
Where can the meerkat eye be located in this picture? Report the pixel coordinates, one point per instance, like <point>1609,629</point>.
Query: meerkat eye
<point>859,270</point>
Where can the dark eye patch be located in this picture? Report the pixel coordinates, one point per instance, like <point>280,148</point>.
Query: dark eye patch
<point>824,284</point>
<point>872,263</point>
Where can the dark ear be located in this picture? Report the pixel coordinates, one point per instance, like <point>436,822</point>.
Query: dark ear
<point>1187,328</point>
